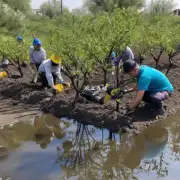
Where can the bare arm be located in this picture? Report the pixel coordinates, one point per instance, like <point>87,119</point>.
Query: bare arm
<point>137,100</point>
<point>134,88</point>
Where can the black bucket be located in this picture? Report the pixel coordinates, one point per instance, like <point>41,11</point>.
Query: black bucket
<point>93,96</point>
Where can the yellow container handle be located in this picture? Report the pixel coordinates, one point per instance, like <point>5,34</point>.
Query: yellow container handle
<point>107,98</point>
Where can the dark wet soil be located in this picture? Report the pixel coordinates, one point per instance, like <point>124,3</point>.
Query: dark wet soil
<point>19,90</point>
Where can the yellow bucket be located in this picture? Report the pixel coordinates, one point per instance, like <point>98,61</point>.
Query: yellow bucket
<point>59,87</point>
<point>107,98</point>
<point>3,74</point>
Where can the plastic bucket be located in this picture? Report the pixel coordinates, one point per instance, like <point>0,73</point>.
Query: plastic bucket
<point>3,74</point>
<point>59,87</point>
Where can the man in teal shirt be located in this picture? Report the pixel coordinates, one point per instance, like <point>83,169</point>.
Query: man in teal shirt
<point>152,86</point>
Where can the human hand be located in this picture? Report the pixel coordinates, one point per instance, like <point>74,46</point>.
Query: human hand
<point>128,90</point>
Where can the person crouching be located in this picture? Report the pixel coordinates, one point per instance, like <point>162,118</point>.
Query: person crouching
<point>49,71</point>
<point>152,87</point>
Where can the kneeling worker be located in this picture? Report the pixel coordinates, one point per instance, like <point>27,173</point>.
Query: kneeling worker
<point>49,70</point>
<point>152,86</point>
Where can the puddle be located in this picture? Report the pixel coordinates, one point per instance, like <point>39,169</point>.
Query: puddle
<point>50,148</point>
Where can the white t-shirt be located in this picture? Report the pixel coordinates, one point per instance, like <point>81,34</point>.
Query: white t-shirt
<point>48,69</point>
<point>37,57</point>
<point>128,54</point>
<point>5,61</point>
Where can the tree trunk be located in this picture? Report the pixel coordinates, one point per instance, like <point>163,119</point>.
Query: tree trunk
<point>61,7</point>
<point>20,69</point>
<point>105,76</point>
<point>110,135</point>
<point>117,76</point>
<point>170,65</point>
<point>156,63</point>
<point>117,85</point>
<point>141,59</point>
<point>117,106</point>
<point>75,99</point>
<point>157,58</point>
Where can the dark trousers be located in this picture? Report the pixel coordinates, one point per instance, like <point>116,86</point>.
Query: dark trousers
<point>155,99</point>
<point>37,66</point>
<point>45,81</point>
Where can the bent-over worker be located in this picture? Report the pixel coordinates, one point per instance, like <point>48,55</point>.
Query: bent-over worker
<point>152,86</point>
<point>50,70</point>
<point>37,56</point>
<point>4,65</point>
<point>126,55</point>
<point>118,61</point>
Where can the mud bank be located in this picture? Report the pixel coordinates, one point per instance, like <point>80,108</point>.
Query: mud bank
<point>20,91</point>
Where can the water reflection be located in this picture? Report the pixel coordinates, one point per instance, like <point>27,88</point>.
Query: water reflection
<point>46,128</point>
<point>65,149</point>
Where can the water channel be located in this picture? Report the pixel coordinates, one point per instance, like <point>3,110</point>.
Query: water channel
<point>49,148</point>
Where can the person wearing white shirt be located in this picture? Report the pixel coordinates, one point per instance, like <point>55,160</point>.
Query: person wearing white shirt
<point>37,55</point>
<point>4,65</point>
<point>49,70</point>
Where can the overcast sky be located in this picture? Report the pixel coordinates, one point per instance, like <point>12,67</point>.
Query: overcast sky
<point>71,4</point>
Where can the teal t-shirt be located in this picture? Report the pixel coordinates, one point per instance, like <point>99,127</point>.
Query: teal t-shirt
<point>150,79</point>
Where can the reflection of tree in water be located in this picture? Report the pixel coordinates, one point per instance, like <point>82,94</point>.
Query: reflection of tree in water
<point>175,141</point>
<point>159,165</point>
<point>84,157</point>
<point>46,127</point>
<point>11,137</point>
<point>75,150</point>
<point>111,160</point>
<point>76,158</point>
<point>43,129</point>
<point>157,138</point>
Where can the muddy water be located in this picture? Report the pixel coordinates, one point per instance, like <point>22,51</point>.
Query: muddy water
<point>51,149</point>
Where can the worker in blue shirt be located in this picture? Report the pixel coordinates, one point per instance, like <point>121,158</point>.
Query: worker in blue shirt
<point>152,86</point>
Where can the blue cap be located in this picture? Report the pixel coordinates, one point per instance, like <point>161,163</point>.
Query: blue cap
<point>36,41</point>
<point>113,54</point>
<point>19,38</point>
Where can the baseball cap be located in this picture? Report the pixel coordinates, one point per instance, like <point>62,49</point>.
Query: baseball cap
<point>129,65</point>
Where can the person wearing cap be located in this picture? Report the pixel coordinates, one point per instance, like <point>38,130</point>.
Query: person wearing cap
<point>152,86</point>
<point>126,54</point>
<point>37,55</point>
<point>49,70</point>
<point>19,39</point>
<point>118,61</point>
